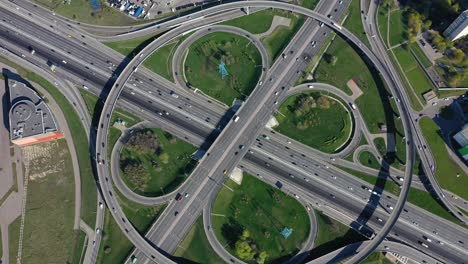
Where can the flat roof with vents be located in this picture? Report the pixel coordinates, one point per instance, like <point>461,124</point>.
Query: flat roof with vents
<point>30,118</point>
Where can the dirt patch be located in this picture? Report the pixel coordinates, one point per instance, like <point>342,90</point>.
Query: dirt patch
<point>44,159</point>
<point>352,84</point>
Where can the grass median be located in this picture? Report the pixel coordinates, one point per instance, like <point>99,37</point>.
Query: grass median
<point>195,248</point>
<point>354,23</point>
<point>262,210</point>
<point>368,159</point>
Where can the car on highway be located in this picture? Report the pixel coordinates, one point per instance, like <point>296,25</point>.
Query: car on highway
<point>179,197</point>
<point>101,205</point>
<point>173,94</point>
<point>422,244</point>
<point>266,137</point>
<point>224,172</point>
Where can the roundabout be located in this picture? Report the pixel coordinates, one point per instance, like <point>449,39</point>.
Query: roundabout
<point>136,239</point>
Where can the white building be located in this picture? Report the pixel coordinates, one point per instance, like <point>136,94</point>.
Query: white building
<point>458,28</point>
<point>462,136</point>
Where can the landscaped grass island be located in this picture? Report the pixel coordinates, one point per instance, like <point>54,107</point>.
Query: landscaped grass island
<point>195,247</point>
<point>315,119</point>
<point>242,62</point>
<point>154,162</point>
<point>263,211</point>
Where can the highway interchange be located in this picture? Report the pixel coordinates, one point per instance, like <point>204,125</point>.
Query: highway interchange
<point>271,149</point>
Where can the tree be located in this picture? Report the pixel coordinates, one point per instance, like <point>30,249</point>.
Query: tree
<point>244,250</point>
<point>107,249</point>
<point>427,25</point>
<point>414,23</point>
<point>137,174</point>
<point>144,142</point>
<point>164,158</point>
<point>262,257</point>
<point>245,234</point>
<point>457,55</point>
<point>329,58</point>
<point>323,102</point>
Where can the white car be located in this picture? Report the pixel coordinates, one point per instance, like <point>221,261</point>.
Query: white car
<point>64,62</point>
<point>101,205</point>
<point>296,196</point>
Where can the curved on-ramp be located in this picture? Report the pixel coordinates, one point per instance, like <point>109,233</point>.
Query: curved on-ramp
<point>109,105</point>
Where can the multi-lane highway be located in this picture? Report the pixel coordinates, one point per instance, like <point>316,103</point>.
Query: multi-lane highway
<point>136,82</point>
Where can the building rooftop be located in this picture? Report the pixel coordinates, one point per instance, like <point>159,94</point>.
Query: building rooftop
<point>29,115</point>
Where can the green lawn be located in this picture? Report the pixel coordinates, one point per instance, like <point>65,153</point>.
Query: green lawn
<point>416,76</point>
<point>88,184</point>
<point>255,23</point>
<point>13,239</point>
<point>140,216</point>
<point>281,36</point>
<point>94,106</point>
<point>309,4</point>
<point>170,173</point>
<point>377,258</point>
<point>159,62</point>
<point>362,142</point>
<point>80,248</point>
<point>368,159</point>
<point>116,240</point>
<point>329,130</point>
<point>446,169</point>
<point>353,22</point>
<point>80,10</point>
<point>427,202</point>
<point>49,214</point>
<point>264,211</point>
<point>332,235</point>
<point>397,27</point>
<point>242,60</point>
<point>130,47</point>
<point>382,15</point>
<point>349,66</point>
<point>196,248</point>
<point>420,55</point>
<point>113,136</point>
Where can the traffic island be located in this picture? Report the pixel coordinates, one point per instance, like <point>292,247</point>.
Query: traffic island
<point>315,119</point>
<point>154,162</point>
<point>250,218</point>
<point>224,66</point>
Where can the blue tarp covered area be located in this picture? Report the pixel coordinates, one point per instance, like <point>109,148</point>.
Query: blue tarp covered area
<point>95,5</point>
